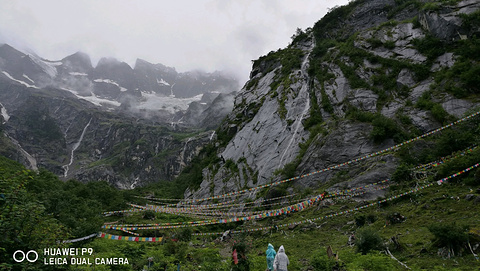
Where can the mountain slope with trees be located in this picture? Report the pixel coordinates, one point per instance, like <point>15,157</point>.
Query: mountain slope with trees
<point>382,93</point>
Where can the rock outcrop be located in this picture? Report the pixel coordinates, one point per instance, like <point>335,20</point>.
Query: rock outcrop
<point>365,77</point>
<point>108,122</point>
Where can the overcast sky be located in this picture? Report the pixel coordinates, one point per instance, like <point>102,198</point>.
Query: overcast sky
<point>186,34</point>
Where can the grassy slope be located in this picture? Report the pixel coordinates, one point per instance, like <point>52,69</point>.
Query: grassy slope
<point>434,205</point>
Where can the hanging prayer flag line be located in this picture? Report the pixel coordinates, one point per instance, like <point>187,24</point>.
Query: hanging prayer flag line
<point>338,195</point>
<point>276,212</point>
<point>79,239</point>
<point>303,204</point>
<point>129,238</point>
<point>445,159</point>
<point>132,233</point>
<point>456,174</point>
<point>122,211</point>
<point>351,210</point>
<point>339,165</point>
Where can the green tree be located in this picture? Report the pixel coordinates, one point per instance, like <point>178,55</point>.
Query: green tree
<point>243,261</point>
<point>24,224</point>
<point>452,236</point>
<point>368,239</point>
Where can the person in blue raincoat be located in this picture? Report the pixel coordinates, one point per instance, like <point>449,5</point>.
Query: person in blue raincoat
<point>270,257</point>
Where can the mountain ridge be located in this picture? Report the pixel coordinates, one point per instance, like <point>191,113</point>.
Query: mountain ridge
<point>52,110</point>
<point>361,87</point>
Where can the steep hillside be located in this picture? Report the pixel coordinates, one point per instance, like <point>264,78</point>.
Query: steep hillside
<point>367,76</point>
<point>110,122</point>
<point>355,148</point>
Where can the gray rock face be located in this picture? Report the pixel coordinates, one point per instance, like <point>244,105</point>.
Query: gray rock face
<point>53,118</point>
<point>379,78</point>
<point>209,114</point>
<point>446,23</point>
<point>401,35</point>
<point>267,141</point>
<point>444,61</point>
<point>219,108</point>
<point>114,85</point>
<point>378,169</point>
<point>74,139</point>
<point>364,99</point>
<point>456,107</point>
<point>338,89</point>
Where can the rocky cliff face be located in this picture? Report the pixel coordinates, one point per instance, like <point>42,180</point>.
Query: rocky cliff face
<point>366,76</point>
<point>74,139</point>
<point>114,85</point>
<point>109,122</point>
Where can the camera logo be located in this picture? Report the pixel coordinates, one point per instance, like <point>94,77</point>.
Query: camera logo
<point>19,256</point>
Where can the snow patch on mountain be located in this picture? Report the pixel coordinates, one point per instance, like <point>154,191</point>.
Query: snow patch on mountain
<point>28,78</point>
<point>48,67</point>
<point>170,104</point>
<point>19,81</point>
<point>4,113</point>
<point>94,99</point>
<point>162,82</point>
<point>78,73</point>
<point>108,81</point>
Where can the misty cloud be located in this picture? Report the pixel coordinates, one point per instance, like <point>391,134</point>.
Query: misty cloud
<point>202,34</point>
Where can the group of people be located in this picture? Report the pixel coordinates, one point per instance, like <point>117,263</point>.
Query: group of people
<point>276,261</point>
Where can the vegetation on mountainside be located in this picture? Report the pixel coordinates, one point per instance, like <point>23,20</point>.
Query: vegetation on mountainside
<point>432,229</point>
<point>460,80</point>
<point>38,204</point>
<point>339,47</point>
<point>37,209</point>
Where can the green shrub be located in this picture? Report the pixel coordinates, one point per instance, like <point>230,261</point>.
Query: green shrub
<point>315,113</point>
<point>372,262</point>
<point>149,214</point>
<point>299,36</point>
<point>384,128</point>
<point>243,261</point>
<point>326,104</point>
<point>439,113</point>
<point>455,139</point>
<point>395,218</point>
<point>471,78</point>
<point>353,79</point>
<point>429,46</point>
<point>357,114</point>
<point>402,173</point>
<point>185,234</point>
<point>361,220</point>
<point>367,239</point>
<point>327,27</point>
<point>389,44</point>
<point>321,48</point>
<point>277,191</point>
<point>252,83</point>
<point>452,236</point>
<point>425,102</point>
<point>231,165</point>
<point>375,43</point>
<point>320,260</point>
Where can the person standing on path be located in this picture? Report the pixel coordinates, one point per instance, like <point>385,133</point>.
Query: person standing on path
<point>281,260</point>
<point>270,257</point>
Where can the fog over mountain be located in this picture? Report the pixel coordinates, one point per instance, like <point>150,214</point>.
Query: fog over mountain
<point>206,34</point>
<point>86,122</point>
